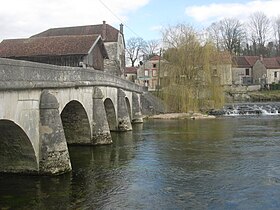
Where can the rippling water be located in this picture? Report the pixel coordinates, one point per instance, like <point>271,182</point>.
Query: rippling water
<point>224,163</point>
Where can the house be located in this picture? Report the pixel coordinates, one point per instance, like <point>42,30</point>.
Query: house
<point>266,71</point>
<point>149,71</point>
<point>130,73</point>
<point>242,69</point>
<point>222,67</point>
<point>113,40</point>
<point>87,50</point>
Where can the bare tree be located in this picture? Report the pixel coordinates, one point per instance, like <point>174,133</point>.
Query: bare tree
<point>134,49</point>
<point>232,34</point>
<point>178,35</point>
<point>276,30</point>
<point>151,48</point>
<point>259,30</point>
<point>214,34</point>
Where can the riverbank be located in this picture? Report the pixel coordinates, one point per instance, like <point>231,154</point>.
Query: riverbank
<point>181,116</point>
<point>267,95</point>
<point>250,94</point>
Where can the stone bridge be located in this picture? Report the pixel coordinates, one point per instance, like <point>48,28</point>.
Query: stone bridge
<point>44,107</point>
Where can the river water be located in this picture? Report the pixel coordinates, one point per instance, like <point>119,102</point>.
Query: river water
<point>223,163</point>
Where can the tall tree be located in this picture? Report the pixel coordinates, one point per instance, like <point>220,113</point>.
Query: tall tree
<point>227,34</point>
<point>151,48</point>
<point>259,30</point>
<point>134,49</point>
<point>276,30</point>
<point>214,33</point>
<point>192,85</point>
<point>233,35</point>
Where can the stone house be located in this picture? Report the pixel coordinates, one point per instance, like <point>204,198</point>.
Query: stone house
<point>242,69</point>
<point>84,50</point>
<point>113,41</point>
<point>223,68</point>
<point>266,71</point>
<point>150,74</point>
<point>130,73</point>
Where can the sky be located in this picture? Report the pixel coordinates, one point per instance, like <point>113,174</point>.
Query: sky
<point>141,18</point>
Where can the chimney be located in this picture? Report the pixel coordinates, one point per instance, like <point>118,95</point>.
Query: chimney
<point>104,29</point>
<point>121,28</point>
<point>261,58</point>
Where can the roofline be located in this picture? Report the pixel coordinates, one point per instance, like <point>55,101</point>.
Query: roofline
<point>95,43</point>
<point>41,55</point>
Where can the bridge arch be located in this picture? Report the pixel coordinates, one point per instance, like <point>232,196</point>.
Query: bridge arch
<point>76,123</point>
<point>17,153</point>
<point>111,114</point>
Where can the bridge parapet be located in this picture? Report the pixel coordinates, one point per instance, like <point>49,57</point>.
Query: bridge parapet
<point>15,74</point>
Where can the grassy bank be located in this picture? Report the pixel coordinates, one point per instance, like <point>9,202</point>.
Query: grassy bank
<point>265,95</point>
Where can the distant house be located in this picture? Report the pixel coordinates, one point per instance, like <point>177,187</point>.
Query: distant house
<point>130,73</point>
<point>85,50</point>
<point>150,74</point>
<point>242,69</point>
<point>266,71</point>
<point>222,67</point>
<point>113,40</point>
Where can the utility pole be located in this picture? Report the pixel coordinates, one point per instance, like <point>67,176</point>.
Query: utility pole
<point>158,79</point>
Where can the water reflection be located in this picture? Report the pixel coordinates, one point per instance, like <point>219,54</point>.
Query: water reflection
<point>225,163</point>
<point>32,192</point>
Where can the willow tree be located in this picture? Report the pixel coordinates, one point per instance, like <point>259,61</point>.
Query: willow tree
<point>191,66</point>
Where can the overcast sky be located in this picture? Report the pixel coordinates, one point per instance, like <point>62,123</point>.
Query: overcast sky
<point>144,18</point>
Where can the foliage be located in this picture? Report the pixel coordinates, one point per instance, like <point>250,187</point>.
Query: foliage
<point>193,82</point>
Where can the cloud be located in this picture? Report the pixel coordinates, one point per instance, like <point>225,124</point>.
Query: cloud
<point>20,18</point>
<point>213,12</point>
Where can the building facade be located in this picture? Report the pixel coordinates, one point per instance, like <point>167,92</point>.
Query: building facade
<point>130,73</point>
<point>242,69</point>
<point>151,74</point>
<point>112,38</point>
<point>75,51</point>
<point>266,71</point>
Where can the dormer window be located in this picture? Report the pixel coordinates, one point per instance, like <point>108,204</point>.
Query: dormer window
<point>154,65</point>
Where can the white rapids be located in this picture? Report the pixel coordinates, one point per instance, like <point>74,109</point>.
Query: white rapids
<point>266,109</point>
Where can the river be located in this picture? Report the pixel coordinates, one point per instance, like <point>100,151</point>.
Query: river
<point>223,163</point>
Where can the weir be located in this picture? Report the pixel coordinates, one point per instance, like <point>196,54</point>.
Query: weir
<point>247,109</point>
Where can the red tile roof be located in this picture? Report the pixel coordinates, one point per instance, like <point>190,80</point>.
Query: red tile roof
<point>244,61</point>
<point>240,62</point>
<point>252,59</point>
<point>271,63</point>
<point>58,45</point>
<point>155,58</point>
<point>221,58</point>
<point>130,70</point>
<point>111,32</point>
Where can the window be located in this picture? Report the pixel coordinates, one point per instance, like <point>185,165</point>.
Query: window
<point>154,65</point>
<point>146,72</point>
<point>247,72</point>
<point>275,74</point>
